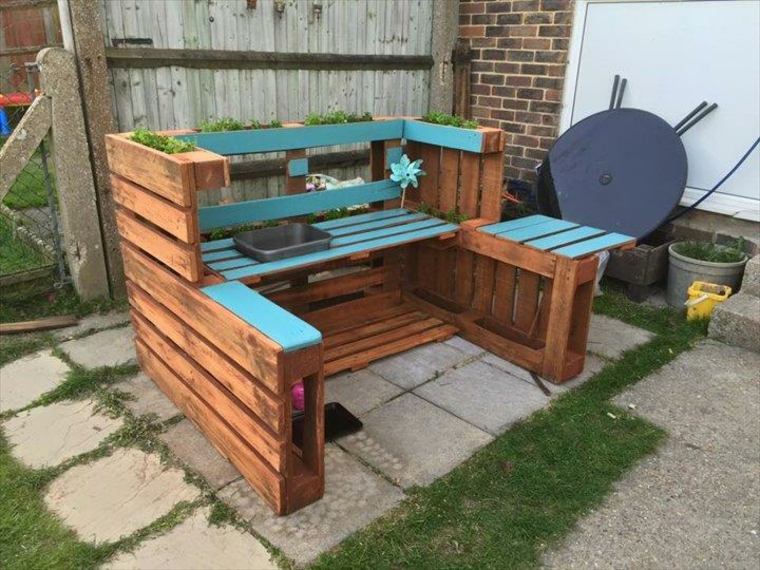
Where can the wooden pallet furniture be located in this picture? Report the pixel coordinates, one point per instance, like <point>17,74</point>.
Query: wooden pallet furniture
<point>226,337</point>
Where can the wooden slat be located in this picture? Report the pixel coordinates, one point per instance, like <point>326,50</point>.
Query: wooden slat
<point>593,245</point>
<point>448,180</point>
<point>256,471</point>
<point>440,135</point>
<point>376,327</point>
<point>431,158</point>
<point>39,324</point>
<point>510,225</point>
<point>217,245</point>
<point>270,445</point>
<point>527,300</point>
<point>332,318</point>
<point>508,252</point>
<point>211,170</point>
<point>165,174</point>
<point>565,238</point>
<point>360,219</point>
<point>510,350</point>
<point>294,184</point>
<point>257,397</point>
<point>484,282</point>
<point>503,294</point>
<point>463,286</point>
<point>469,184</point>
<point>248,347</point>
<point>539,230</point>
<point>394,230</point>
<point>329,288</point>
<point>491,181</point>
<point>180,222</point>
<point>377,224</point>
<point>182,258</point>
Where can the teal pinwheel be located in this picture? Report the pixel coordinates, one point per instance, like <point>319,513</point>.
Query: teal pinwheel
<point>405,172</point>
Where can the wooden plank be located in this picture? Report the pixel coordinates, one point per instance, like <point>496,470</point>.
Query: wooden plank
<point>164,174</point>
<point>536,231</point>
<point>333,318</point>
<point>431,158</point>
<point>293,138</point>
<point>182,258</point>
<point>385,223</point>
<point>247,346</point>
<point>506,348</point>
<point>464,284</point>
<point>180,222</point>
<point>514,224</point>
<point>394,230</point>
<point>329,288</point>
<point>527,300</point>
<point>211,170</point>
<point>297,166</point>
<point>508,252</point>
<point>377,160</point>
<point>217,244</point>
<point>47,323</point>
<point>361,219</point>
<point>564,238</point>
<point>255,395</point>
<point>469,184</point>
<point>455,138</point>
<point>270,445</point>
<point>504,293</point>
<point>283,327</point>
<point>491,182</point>
<point>448,181</point>
<point>485,269</point>
<point>295,183</point>
<point>408,315</point>
<point>255,470</point>
<point>560,318</point>
<point>266,209</point>
<point>493,140</point>
<point>593,245</point>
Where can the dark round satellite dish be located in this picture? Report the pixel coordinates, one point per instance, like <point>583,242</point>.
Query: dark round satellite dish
<point>621,170</point>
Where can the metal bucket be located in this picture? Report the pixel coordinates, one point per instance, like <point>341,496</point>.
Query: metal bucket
<point>683,271</point>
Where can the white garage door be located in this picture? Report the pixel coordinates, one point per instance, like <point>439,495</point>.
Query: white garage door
<point>674,55</point>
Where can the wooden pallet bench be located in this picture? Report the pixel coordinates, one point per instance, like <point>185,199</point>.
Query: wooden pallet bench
<point>226,337</point>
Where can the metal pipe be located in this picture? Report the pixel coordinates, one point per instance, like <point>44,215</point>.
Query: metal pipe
<point>614,91</point>
<point>620,93</point>
<point>693,112</point>
<point>697,119</point>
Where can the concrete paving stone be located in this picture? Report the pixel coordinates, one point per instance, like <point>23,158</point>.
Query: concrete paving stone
<point>413,367</point>
<point>106,348</point>
<point>610,338</point>
<point>414,442</point>
<point>117,495</point>
<point>26,379</point>
<point>484,396</point>
<point>465,346</point>
<point>191,446</point>
<point>147,398</point>
<point>592,365</point>
<point>360,391</point>
<point>196,544</point>
<point>507,367</point>
<point>696,502</point>
<point>737,321</point>
<point>354,497</point>
<point>48,435</point>
<point>92,323</point>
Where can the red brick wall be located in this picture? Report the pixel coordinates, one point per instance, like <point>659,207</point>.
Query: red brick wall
<point>519,56</point>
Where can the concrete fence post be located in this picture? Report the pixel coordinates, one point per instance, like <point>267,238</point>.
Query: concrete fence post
<point>74,177</point>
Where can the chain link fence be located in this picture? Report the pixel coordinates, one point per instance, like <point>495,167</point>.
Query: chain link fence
<point>30,240</point>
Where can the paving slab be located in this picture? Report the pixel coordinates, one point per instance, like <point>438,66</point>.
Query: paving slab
<point>465,346</point>
<point>414,442</point>
<point>117,495</point>
<point>147,398</point>
<point>696,502</point>
<point>484,396</point>
<point>196,544</point>
<point>610,337</point>
<point>737,321</point>
<point>413,367</point>
<point>106,348</point>
<point>354,497</point>
<point>26,379</point>
<point>190,445</point>
<point>93,323</point>
<point>360,391</point>
<point>48,435</point>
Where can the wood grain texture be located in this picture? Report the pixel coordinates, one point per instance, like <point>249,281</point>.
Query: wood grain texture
<point>448,181</point>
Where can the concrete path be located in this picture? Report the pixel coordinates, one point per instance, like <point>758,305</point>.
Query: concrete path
<point>424,412</point>
<point>696,503</point>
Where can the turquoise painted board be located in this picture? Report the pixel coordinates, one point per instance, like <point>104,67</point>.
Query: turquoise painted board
<point>217,244</point>
<point>337,252</point>
<point>291,138</point>
<point>537,230</point>
<point>220,254</point>
<point>383,232</point>
<point>298,167</point>
<point>593,245</point>
<point>392,155</point>
<point>367,226</point>
<point>226,215</point>
<point>514,224</point>
<point>440,135</point>
<point>351,220</point>
<point>242,261</point>
<point>287,330</point>
<point>564,238</point>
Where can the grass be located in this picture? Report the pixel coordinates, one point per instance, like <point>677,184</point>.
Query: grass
<point>15,254</point>
<point>526,490</point>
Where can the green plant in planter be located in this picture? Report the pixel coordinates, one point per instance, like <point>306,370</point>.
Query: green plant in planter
<point>335,118</point>
<point>449,120</point>
<point>706,251</point>
<point>275,124</point>
<point>169,145</point>
<point>222,124</point>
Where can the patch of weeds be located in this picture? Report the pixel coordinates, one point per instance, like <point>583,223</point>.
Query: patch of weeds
<point>13,347</point>
<point>712,252</point>
<point>336,117</point>
<point>222,514</point>
<point>138,431</point>
<point>449,120</point>
<point>169,145</point>
<point>275,124</point>
<point>83,381</point>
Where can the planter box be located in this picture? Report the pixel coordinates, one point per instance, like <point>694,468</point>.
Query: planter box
<point>642,266</point>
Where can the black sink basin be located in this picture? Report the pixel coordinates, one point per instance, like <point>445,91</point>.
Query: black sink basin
<point>271,244</point>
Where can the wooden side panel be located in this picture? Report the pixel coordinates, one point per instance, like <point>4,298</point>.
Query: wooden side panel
<point>431,159</point>
<point>241,342</point>
<point>504,293</point>
<point>448,181</point>
<point>492,173</point>
<point>182,258</point>
<point>469,184</point>
<point>527,300</point>
<point>294,184</point>
<point>180,222</point>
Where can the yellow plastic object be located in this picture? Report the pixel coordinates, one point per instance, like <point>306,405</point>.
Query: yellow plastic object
<point>703,297</point>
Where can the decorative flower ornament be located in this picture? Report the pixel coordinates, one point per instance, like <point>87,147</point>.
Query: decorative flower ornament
<point>405,172</point>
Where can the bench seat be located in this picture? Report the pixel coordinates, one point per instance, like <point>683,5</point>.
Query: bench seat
<point>561,237</point>
<point>351,235</point>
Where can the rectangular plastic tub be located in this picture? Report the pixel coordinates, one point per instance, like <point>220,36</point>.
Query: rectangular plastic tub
<point>289,240</point>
